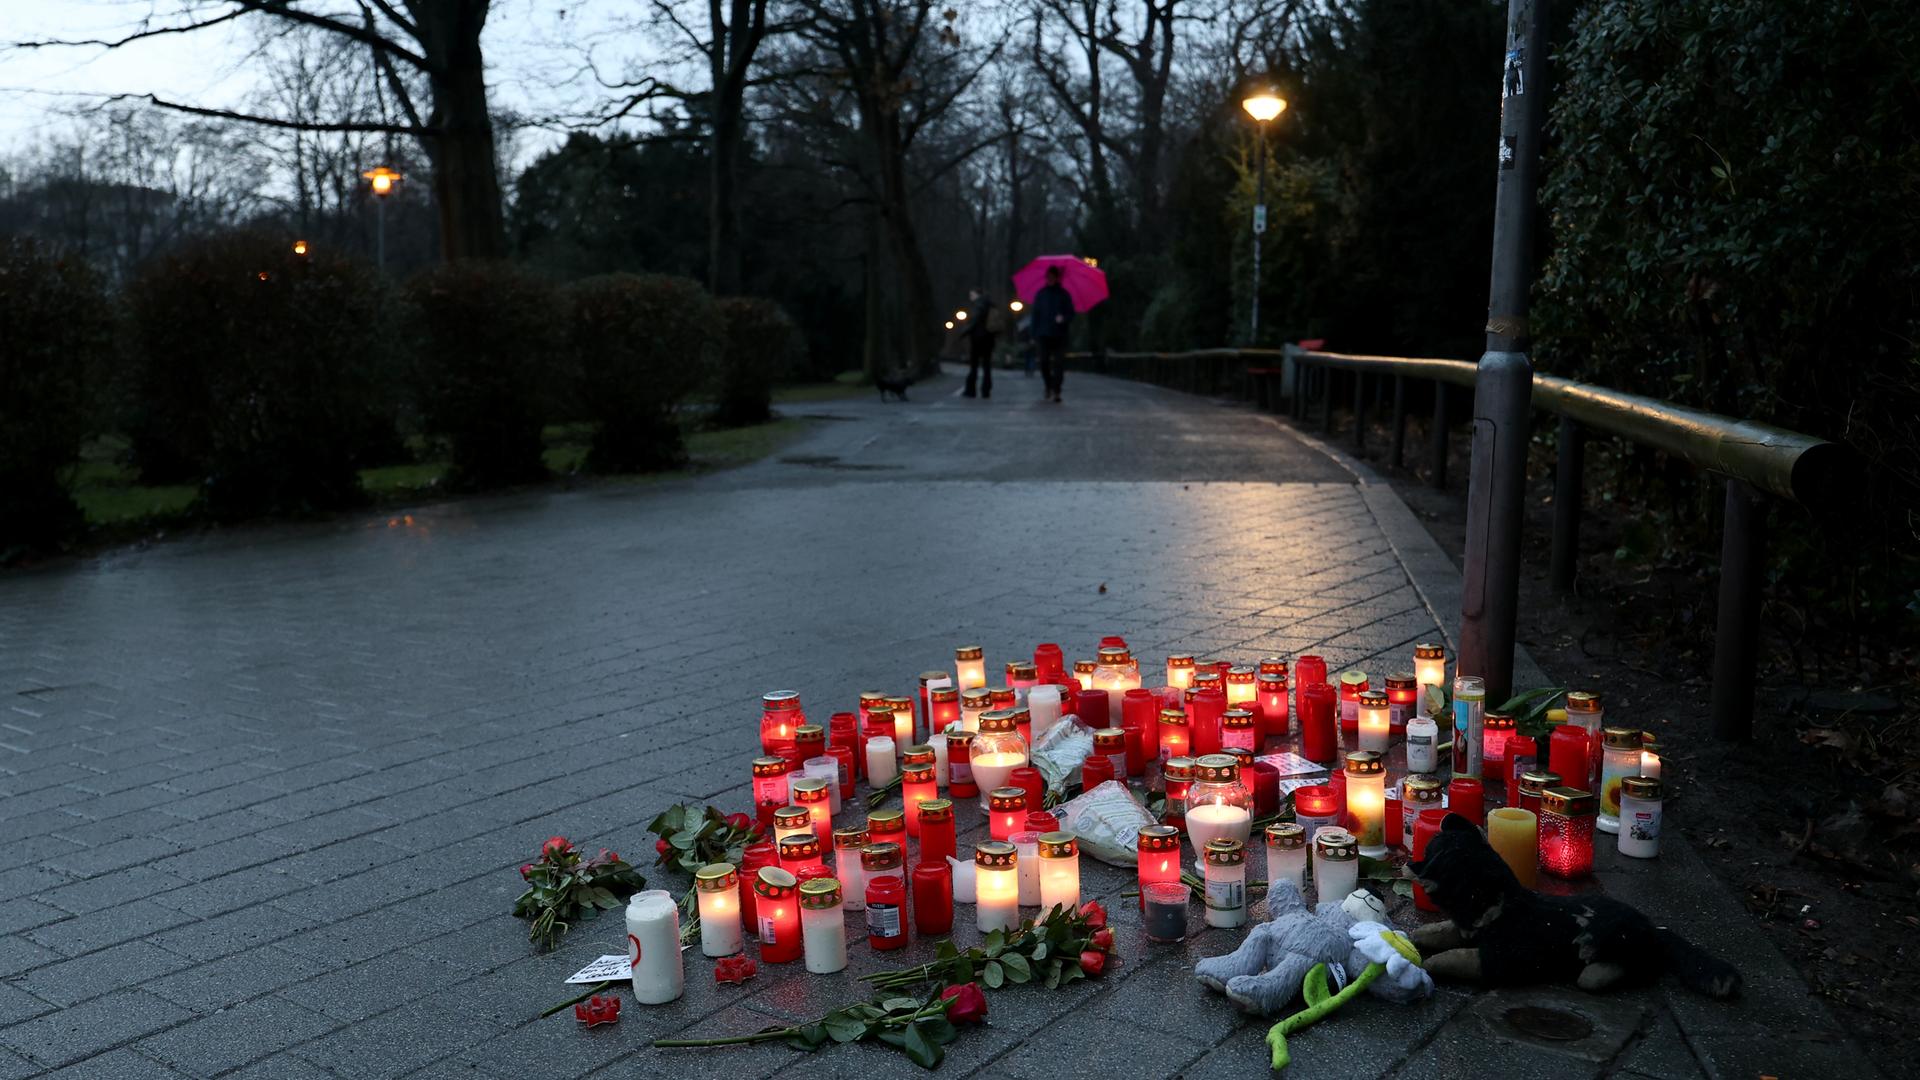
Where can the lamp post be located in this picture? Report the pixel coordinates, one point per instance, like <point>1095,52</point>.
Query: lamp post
<point>1263,107</point>
<point>381,179</point>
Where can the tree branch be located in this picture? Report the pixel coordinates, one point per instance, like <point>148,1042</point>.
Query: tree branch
<point>275,121</point>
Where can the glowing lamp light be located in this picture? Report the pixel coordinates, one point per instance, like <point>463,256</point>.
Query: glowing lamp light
<point>780,716</point>
<point>1059,871</point>
<point>1218,806</point>
<point>1179,776</point>
<point>949,324</point>
<point>1240,686</point>
<point>1175,738</point>
<point>812,793</point>
<point>1264,106</point>
<point>1375,725</point>
<point>959,316</point>
<point>1271,695</point>
<point>916,787</point>
<point>1016,307</point>
<point>1180,670</point>
<point>1430,673</point>
<point>1158,854</point>
<point>299,247</point>
<point>382,180</point>
<point>996,887</point>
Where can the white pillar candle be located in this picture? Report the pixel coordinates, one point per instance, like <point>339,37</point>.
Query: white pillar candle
<point>996,887</point>
<point>1287,854</point>
<point>1059,871</point>
<point>992,770</point>
<point>823,927</point>
<point>938,740</point>
<point>970,665</point>
<point>1336,865</point>
<point>847,844</point>
<point>653,947</point>
<point>1043,703</point>
<point>1376,718</point>
<point>882,765</point>
<point>1226,878</point>
<point>1026,848</point>
<point>828,769</point>
<point>718,886</point>
<point>1218,821</point>
<point>1367,801</point>
<point>963,880</point>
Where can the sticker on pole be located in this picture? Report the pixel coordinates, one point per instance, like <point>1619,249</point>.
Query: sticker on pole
<point>1508,151</point>
<point>1260,219</point>
<point>1513,82</point>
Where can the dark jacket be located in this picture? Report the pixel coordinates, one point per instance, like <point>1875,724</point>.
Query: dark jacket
<point>1050,304</point>
<point>980,321</point>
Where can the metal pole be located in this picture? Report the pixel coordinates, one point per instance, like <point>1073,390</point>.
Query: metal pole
<point>1326,400</point>
<point>1359,410</point>
<point>1399,419</point>
<point>1503,387</point>
<point>1437,438</point>
<point>380,233</point>
<point>1568,486</point>
<point>1736,636</point>
<point>1259,208</point>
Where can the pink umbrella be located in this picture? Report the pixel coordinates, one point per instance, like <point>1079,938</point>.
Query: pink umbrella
<point>1083,281</point>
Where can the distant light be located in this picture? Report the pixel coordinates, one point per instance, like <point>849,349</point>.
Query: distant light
<point>960,316</point>
<point>1265,105</point>
<point>1091,261</point>
<point>1016,307</point>
<point>949,324</point>
<point>382,179</point>
<point>299,247</point>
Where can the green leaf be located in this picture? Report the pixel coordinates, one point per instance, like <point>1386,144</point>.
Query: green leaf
<point>920,1050</point>
<point>993,943</point>
<point>939,1030</point>
<point>994,976</point>
<point>843,1028</point>
<point>1018,970</point>
<point>1403,887</point>
<point>900,1004</point>
<point>1040,951</point>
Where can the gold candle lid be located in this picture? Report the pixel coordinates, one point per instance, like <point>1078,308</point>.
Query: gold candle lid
<point>1619,738</point>
<point>1373,699</point>
<point>1366,763</point>
<point>769,766</point>
<point>936,810</point>
<point>850,836</point>
<point>798,847</point>
<point>917,774</point>
<point>780,700</point>
<point>1583,701</point>
<point>1114,656</point>
<point>1109,739</point>
<point>1236,719</point>
<point>999,721</point>
<point>868,698</point>
<point>1058,845</point>
<point>917,754</point>
<point>1178,768</point>
<point>1273,665</point>
<point>1287,835</point>
<point>976,697</point>
<point>881,856</point>
<point>1273,681</point>
<point>994,855</point>
<point>1338,845</point>
<point>810,789</point>
<point>1422,788</point>
<point>1225,851</point>
<point>1021,669</point>
<point>819,894</point>
<point>889,820</point>
<point>1007,798</point>
<point>1002,697</point>
<point>716,877</point>
<point>940,695</point>
<point>968,652</point>
<point>1533,783</point>
<point>1426,651</point>
<point>1180,660</point>
<point>1499,722</point>
<point>900,704</point>
<point>1216,769</point>
<point>1352,678</point>
<point>792,817</point>
<point>1569,802</point>
<point>928,676</point>
<point>1158,838</point>
<point>1241,675</point>
<point>957,738</point>
<point>774,883</point>
<point>1205,680</point>
<point>1173,716</point>
<point>1402,680</point>
<point>1641,787</point>
<point>1084,667</point>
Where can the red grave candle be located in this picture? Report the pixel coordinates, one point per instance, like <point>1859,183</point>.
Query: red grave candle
<point>1035,784</point>
<point>903,721</point>
<point>1179,773</point>
<point>1158,854</point>
<point>927,678</point>
<point>777,914</point>
<point>1006,809</point>
<point>1567,751</point>
<point>780,714</point>
<point>886,913</point>
<point>1395,823</point>
<point>917,787</point>
<point>1271,695</point>
<point>1204,709</point>
<point>1352,685</point>
<point>1023,723</point>
<point>1113,743</point>
<point>936,831</point>
<point>933,899</point>
<point>1022,675</point>
<point>1566,831</point>
<point>1140,714</point>
<point>888,827</point>
<point>1176,738</point>
<point>1522,757</point>
<point>960,783</point>
<point>1338,782</point>
<point>1113,641</point>
<point>1091,707</point>
<point>843,729</point>
<point>1467,797</point>
<point>1403,698</point>
<point>1096,770</point>
<point>1309,670</point>
<point>1265,780</point>
<point>1497,737</point>
<point>944,701</point>
<point>1239,730</point>
<point>769,787</point>
<point>1050,662</point>
<point>1316,807</point>
<point>1039,821</point>
<point>809,741</point>
<point>844,757</point>
<point>797,853</point>
<point>1319,737</point>
<point>753,859</point>
<point>1531,786</point>
<point>1425,828</point>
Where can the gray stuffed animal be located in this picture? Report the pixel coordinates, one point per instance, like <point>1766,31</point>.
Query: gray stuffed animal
<point>1264,974</point>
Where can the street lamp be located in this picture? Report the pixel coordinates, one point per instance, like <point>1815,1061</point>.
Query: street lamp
<point>1263,107</point>
<point>299,247</point>
<point>382,180</point>
<point>1016,307</point>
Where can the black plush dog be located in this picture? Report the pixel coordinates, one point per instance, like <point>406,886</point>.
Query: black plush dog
<point>1504,934</point>
<point>895,384</point>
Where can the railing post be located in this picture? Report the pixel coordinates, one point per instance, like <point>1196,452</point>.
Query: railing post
<point>1568,490</point>
<point>1736,635</point>
<point>1359,411</point>
<point>1294,404</point>
<point>1437,438</point>
<point>1326,400</point>
<point>1399,418</point>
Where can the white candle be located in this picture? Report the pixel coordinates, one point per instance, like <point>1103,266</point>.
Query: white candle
<point>1226,878</point>
<point>1650,764</point>
<point>653,947</point>
<point>1043,703</point>
<point>970,665</point>
<point>1026,847</point>
<point>1336,865</point>
<point>847,867</point>
<point>962,880</point>
<point>1059,871</point>
<point>882,765</point>
<point>992,770</point>
<point>718,886</point>
<point>828,769</point>
<point>996,887</point>
<point>903,728</point>
<point>1367,801</point>
<point>823,928</point>
<point>1218,821</point>
<point>938,740</point>
<point>1376,720</point>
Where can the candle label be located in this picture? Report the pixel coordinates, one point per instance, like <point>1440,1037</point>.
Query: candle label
<point>1644,825</point>
<point>1468,716</point>
<point>1399,712</point>
<point>1226,894</point>
<point>1349,712</point>
<point>767,936</point>
<point>883,920</point>
<point>959,772</point>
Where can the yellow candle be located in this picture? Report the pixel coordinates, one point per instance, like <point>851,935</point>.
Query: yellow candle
<point>1514,833</point>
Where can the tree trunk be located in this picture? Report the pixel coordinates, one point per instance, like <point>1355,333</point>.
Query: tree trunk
<point>723,211</point>
<point>466,185</point>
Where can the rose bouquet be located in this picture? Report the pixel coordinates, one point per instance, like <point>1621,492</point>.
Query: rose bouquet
<point>1064,945</point>
<point>562,887</point>
<point>690,837</point>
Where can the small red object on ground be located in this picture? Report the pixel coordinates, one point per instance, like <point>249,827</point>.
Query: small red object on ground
<point>733,969</point>
<point>598,1010</point>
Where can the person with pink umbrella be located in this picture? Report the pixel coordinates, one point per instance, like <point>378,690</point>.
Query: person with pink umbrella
<point>1051,317</point>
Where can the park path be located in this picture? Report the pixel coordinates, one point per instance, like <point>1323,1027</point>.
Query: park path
<point>262,793</point>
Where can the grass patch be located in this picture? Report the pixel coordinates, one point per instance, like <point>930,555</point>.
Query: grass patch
<point>847,384</point>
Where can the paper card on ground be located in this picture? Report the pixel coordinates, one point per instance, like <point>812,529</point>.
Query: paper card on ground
<point>1287,763</point>
<point>1288,787</point>
<point>610,966</point>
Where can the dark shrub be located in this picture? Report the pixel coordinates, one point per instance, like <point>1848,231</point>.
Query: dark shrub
<point>261,371</point>
<point>762,345</point>
<point>484,368</point>
<point>54,331</point>
<point>644,343</point>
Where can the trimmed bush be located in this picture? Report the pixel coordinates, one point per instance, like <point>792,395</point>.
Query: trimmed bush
<point>261,373</point>
<point>644,344</point>
<point>763,345</point>
<point>55,329</point>
<point>484,370</point>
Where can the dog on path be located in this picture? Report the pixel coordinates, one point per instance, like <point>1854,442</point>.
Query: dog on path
<point>894,383</point>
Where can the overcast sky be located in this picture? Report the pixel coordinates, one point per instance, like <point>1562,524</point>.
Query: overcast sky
<point>532,46</point>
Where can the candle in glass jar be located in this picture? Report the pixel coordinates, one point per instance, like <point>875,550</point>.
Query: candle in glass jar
<point>1044,707</point>
<point>1640,814</point>
<point>1111,743</point>
<point>1240,686</point>
<point>1237,731</point>
<point>1566,832</point>
<point>888,826</point>
<point>1515,835</point>
<point>811,792</point>
<point>1164,908</point>
<point>1336,864</point>
<point>792,821</point>
<point>1567,750</point>
<point>1403,691</point>
<point>997,750</point>
<point>1585,712</point>
<point>778,908</point>
<point>1316,807</point>
<point>848,841</point>
<point>973,702</point>
<point>996,887</point>
<point>1287,854</point>
<point>1319,732</point>
<point>1178,773</point>
<point>1467,797</point>
<point>799,853</point>
<point>1175,739</point>
<point>1006,811</point>
<point>1271,695</point>
<point>1059,871</point>
<point>884,858</point>
<point>780,714</point>
<point>1353,682</point>
<point>1532,785</point>
<point>1218,806</point>
<point>960,783</point>
<point>903,721</point>
<point>1049,661</point>
<point>1264,780</point>
<point>1620,758</point>
<point>916,787</point>
<point>1180,670</point>
<point>1430,674</point>
<point>826,769</point>
<point>1226,880</point>
<point>1157,856</point>
<point>882,762</point>
<point>1497,733</point>
<point>1366,773</point>
<point>970,666</point>
<point>1083,674</point>
<point>1309,670</point>
<point>653,947</point>
<point>1022,676</point>
<point>1205,706</point>
<point>1033,781</point>
<point>1469,724</point>
<point>1649,755</point>
<point>769,787</point>
<point>886,913</point>
<point>752,859</point>
<point>933,898</point>
<point>936,830</point>
<point>1522,757</point>
<point>1375,722</point>
<point>1417,795</point>
<point>823,927</point>
<point>718,889</point>
<point>1140,721</point>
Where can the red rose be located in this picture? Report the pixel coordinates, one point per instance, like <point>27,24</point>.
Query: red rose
<point>610,856</point>
<point>526,870</point>
<point>965,1004</point>
<point>1093,963</point>
<point>662,847</point>
<point>739,822</point>
<point>1103,939</point>
<point>555,847</point>
<point>1095,915</point>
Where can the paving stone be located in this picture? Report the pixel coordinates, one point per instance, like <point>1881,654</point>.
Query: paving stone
<point>232,979</point>
<point>86,1029</point>
<point>118,1065</point>
<point>108,926</point>
<point>234,1036</point>
<point>129,964</point>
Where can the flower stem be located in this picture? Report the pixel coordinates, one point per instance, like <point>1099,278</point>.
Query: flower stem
<point>731,1040</point>
<point>577,1000</point>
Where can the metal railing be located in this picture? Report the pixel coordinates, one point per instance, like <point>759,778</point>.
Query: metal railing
<point>1753,458</point>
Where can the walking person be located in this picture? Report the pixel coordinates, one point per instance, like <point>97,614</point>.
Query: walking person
<point>980,337</point>
<point>1052,315</point>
